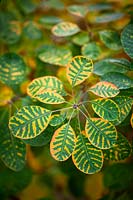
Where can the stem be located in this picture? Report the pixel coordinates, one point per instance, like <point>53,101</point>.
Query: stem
<point>61,109</point>
<point>82,113</point>
<point>79,121</point>
<point>86,110</point>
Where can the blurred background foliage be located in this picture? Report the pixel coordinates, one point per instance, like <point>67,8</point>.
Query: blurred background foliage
<point>25,28</point>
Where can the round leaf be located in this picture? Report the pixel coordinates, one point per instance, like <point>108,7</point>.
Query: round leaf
<point>127,39</point>
<point>105,89</point>
<point>120,151</point>
<point>50,97</point>
<point>111,39</point>
<point>57,119</point>
<point>125,104</point>
<point>55,55</point>
<point>120,80</point>
<point>29,122</point>
<point>64,29</point>
<point>91,50</point>
<point>78,10</point>
<point>12,151</point>
<point>81,38</point>
<point>78,70</point>
<point>101,133</point>
<point>12,69</point>
<point>111,65</point>
<point>63,143</point>
<point>41,84</point>
<point>106,108</point>
<point>109,17</point>
<point>86,157</point>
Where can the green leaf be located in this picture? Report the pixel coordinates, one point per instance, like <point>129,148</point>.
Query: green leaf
<point>104,89</point>
<point>86,157</point>
<point>109,17</point>
<point>29,122</point>
<point>49,21</point>
<point>111,39</point>
<point>106,108</point>
<point>81,38</point>
<point>32,31</point>
<point>99,7</point>
<point>125,104</point>
<point>12,69</point>
<point>132,120</point>
<point>91,50</point>
<point>63,143</point>
<point>57,119</point>
<point>25,6</point>
<point>44,83</point>
<point>120,151</point>
<point>55,55</point>
<point>42,139</point>
<point>79,69</point>
<point>12,151</point>
<point>111,65</point>
<point>64,29</point>
<point>78,10</point>
<point>127,40</point>
<point>101,133</point>
<point>49,97</point>
<point>120,80</point>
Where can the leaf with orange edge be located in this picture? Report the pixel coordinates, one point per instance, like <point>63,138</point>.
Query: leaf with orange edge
<point>105,89</point>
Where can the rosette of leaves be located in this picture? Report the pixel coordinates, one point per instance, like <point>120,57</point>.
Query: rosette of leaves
<point>85,143</point>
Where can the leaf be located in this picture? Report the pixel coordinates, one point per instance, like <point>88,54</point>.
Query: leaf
<point>86,157</point>
<point>101,133</point>
<point>125,104</point>
<point>63,143</point>
<point>120,151</point>
<point>120,80</point>
<point>49,21</point>
<point>43,139</point>
<point>12,69</point>
<point>41,84</point>
<point>64,29</point>
<point>57,119</point>
<point>78,70</point>
<point>127,39</point>
<point>111,65</point>
<point>50,97</point>
<point>32,31</point>
<point>132,120</point>
<point>55,55</point>
<point>29,122</point>
<point>12,151</point>
<point>111,39</point>
<point>109,17</point>
<point>77,10</point>
<point>80,38</point>
<point>99,7</point>
<point>104,89</point>
<point>25,6</point>
<point>106,108</point>
<point>91,50</point>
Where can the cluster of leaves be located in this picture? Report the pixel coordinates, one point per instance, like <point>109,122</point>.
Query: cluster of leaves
<point>95,99</point>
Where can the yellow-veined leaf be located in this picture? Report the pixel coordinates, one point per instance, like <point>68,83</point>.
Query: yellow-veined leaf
<point>79,69</point>
<point>86,157</point>
<point>105,89</point>
<point>120,151</point>
<point>106,108</point>
<point>132,120</point>
<point>64,29</point>
<point>101,133</point>
<point>41,84</point>
<point>29,122</point>
<point>57,119</point>
<point>63,143</point>
<point>50,97</point>
<point>125,104</point>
